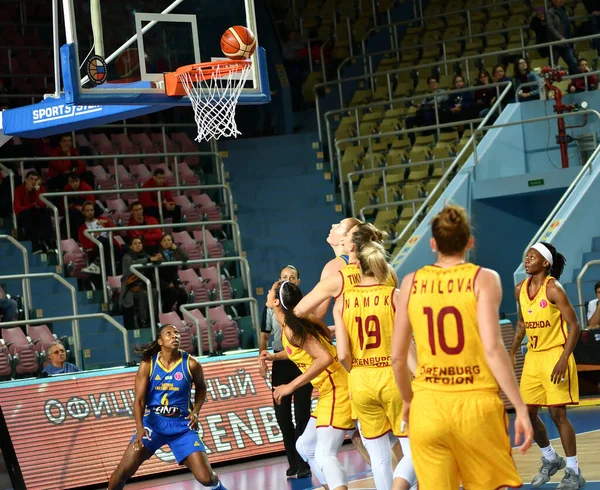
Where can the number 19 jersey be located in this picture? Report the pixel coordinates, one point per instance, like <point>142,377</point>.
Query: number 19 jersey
<point>368,313</point>
<point>442,310</point>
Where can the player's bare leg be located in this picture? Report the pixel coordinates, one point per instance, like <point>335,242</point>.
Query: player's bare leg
<point>551,462</point>
<point>198,464</point>
<point>396,454</point>
<point>573,478</point>
<point>132,459</point>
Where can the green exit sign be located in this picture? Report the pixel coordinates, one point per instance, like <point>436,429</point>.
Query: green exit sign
<point>536,182</point>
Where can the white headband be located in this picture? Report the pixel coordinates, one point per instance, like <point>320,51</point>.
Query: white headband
<point>281,295</point>
<point>544,251</point>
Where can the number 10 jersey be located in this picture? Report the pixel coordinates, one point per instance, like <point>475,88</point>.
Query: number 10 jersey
<point>442,310</point>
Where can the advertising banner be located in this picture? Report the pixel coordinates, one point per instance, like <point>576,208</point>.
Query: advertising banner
<point>73,432</point>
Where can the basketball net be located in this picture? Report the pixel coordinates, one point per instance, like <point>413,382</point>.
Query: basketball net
<point>214,89</point>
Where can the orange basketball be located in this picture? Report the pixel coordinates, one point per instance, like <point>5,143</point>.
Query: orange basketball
<point>238,43</point>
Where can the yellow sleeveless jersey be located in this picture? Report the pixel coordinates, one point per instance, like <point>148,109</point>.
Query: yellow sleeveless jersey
<point>351,278</point>
<point>442,310</point>
<point>304,360</point>
<point>544,325</point>
<point>368,313</point>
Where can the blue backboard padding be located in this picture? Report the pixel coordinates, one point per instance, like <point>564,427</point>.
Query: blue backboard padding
<point>55,116</point>
<point>74,95</point>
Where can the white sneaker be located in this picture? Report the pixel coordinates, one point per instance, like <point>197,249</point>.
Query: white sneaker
<point>91,269</point>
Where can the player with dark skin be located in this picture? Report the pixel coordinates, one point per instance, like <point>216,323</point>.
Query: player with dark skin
<point>538,268</point>
<point>168,340</point>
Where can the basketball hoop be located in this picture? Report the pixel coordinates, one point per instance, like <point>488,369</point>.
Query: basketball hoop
<point>214,89</point>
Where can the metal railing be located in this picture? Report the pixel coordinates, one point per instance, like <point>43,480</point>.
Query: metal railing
<point>480,129</point>
<point>90,234</point>
<point>396,133</point>
<point>135,270</point>
<point>73,291</point>
<point>11,179</point>
<point>582,315</point>
<point>466,59</point>
<point>207,304</point>
<point>45,198</point>
<point>384,171</point>
<point>117,157</point>
<point>74,319</point>
<point>25,283</point>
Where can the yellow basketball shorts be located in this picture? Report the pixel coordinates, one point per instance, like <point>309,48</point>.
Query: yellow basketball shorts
<point>376,401</point>
<point>333,406</point>
<point>537,389</point>
<point>461,437</point>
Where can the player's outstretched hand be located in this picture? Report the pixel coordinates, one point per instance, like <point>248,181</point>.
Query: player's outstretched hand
<point>280,391</point>
<point>193,421</point>
<point>523,431</point>
<point>265,355</point>
<point>558,374</point>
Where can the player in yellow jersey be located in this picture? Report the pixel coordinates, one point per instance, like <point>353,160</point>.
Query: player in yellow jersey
<point>457,421</point>
<point>364,319</point>
<point>336,234</point>
<point>348,276</point>
<point>549,377</point>
<point>309,346</point>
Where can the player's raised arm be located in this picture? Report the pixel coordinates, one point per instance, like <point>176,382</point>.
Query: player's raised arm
<point>488,290</point>
<point>330,287</point>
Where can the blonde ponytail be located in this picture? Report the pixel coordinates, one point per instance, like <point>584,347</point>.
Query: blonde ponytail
<point>372,258</point>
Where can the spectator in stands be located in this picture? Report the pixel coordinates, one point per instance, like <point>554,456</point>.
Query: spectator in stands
<point>150,199</point>
<point>457,107</point>
<point>149,237</point>
<point>33,217</point>
<point>425,115</point>
<point>133,289</point>
<point>75,203</point>
<point>524,74</point>
<point>499,76</point>
<point>9,309</point>
<point>57,355</point>
<point>593,312</point>
<point>485,96</point>
<point>170,289</point>
<point>593,10</point>
<point>558,29</point>
<point>538,25</point>
<point>59,170</point>
<point>589,82</point>
<point>89,247</point>
<point>284,372</point>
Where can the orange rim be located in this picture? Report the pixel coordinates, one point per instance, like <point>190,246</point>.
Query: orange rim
<point>208,71</point>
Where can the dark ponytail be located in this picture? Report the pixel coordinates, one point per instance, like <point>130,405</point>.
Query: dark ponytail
<point>149,350</point>
<point>289,295</point>
<point>558,261</point>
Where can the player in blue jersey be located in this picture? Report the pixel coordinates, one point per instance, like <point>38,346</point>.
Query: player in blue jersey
<point>163,411</point>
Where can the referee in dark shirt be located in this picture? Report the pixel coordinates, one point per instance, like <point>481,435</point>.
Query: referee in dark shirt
<point>283,372</point>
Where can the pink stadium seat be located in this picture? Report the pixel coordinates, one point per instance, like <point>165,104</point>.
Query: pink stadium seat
<point>116,206</point>
<point>229,331</point>
<point>144,145</point>
<point>188,210</point>
<point>100,173</point>
<point>164,166</point>
<point>203,200</point>
<point>182,238</point>
<point>82,140</point>
<point>42,338</point>
<point>74,259</point>
<point>193,284</point>
<point>125,146</point>
<point>215,248</point>
<point>210,278</point>
<point>22,350</point>
<point>204,331</point>
<point>170,318</point>
<point>140,173</point>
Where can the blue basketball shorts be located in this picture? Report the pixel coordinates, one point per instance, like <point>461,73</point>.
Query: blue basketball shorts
<point>173,432</point>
